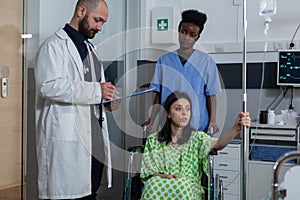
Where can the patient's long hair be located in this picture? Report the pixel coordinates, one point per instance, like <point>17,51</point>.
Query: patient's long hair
<point>165,134</point>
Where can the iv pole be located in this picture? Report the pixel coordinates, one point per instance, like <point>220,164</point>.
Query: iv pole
<point>245,138</point>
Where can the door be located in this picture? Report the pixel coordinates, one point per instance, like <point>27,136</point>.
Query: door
<point>11,101</point>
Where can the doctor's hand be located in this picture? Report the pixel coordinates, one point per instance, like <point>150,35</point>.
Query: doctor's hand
<point>107,90</point>
<point>114,105</point>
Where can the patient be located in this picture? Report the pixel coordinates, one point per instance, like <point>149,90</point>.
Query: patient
<point>175,157</point>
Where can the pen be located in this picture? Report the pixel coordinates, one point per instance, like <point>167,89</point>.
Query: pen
<point>117,92</point>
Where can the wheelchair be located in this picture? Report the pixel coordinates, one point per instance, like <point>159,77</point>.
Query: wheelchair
<point>212,184</point>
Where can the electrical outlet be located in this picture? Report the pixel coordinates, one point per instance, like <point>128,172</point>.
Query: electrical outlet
<point>237,2</point>
<point>219,48</point>
<point>4,87</point>
<point>277,45</point>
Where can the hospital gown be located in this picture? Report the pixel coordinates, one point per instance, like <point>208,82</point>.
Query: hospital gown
<point>187,161</point>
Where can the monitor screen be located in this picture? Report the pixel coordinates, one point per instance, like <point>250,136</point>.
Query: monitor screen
<point>288,69</point>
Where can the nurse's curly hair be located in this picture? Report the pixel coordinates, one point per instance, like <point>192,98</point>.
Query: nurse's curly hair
<point>164,136</point>
<point>195,17</point>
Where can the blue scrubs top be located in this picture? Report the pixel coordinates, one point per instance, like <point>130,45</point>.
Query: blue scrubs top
<point>198,78</point>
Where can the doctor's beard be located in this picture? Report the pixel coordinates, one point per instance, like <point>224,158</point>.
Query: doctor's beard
<point>85,30</point>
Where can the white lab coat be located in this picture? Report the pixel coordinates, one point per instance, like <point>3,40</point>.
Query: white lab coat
<point>63,121</point>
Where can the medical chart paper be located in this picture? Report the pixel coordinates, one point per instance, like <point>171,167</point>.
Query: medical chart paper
<point>128,96</point>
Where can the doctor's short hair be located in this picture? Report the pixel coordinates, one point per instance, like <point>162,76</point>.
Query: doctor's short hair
<point>90,4</point>
<point>195,17</point>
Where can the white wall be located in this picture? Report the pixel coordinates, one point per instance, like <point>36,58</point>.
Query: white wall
<point>224,28</point>
<point>46,17</point>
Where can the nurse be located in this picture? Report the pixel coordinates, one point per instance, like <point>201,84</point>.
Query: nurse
<point>188,70</point>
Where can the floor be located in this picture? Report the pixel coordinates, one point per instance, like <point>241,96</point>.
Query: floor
<point>13,193</point>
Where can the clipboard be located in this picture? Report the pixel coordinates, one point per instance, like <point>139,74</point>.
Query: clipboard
<point>128,96</point>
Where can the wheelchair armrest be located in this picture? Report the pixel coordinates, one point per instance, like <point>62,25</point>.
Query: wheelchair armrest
<point>213,152</point>
<point>137,149</point>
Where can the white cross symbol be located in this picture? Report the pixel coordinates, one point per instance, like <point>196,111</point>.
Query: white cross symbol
<point>162,25</point>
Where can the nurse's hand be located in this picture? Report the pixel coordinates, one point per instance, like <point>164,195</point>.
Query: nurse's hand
<point>148,124</point>
<point>214,125</point>
<point>107,90</point>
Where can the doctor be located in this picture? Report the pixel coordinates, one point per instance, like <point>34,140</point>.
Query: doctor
<point>72,137</point>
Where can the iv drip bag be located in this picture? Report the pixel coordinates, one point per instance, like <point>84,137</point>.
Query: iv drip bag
<point>267,8</point>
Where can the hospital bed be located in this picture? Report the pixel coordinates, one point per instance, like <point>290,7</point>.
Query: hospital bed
<point>288,189</point>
